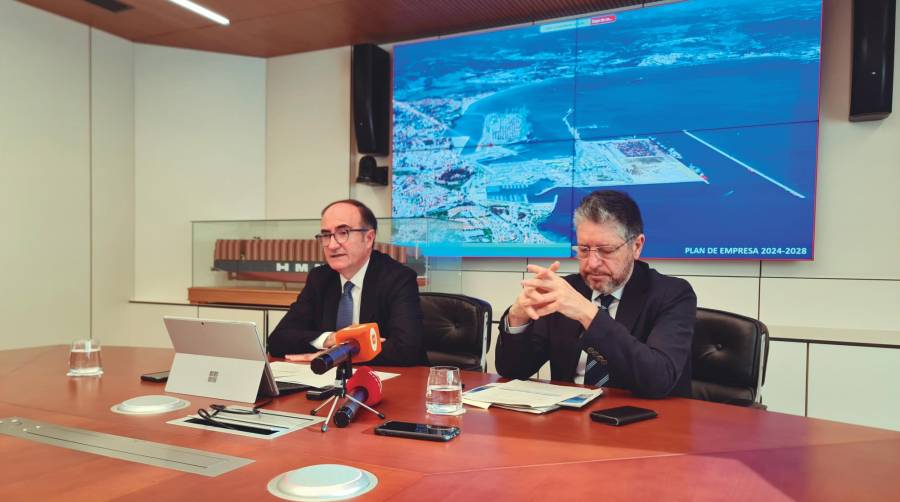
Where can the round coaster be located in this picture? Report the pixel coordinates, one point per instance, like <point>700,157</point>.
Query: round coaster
<point>150,405</point>
<point>324,482</point>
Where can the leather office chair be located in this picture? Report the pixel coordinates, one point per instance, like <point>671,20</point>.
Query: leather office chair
<point>457,330</point>
<point>729,355</point>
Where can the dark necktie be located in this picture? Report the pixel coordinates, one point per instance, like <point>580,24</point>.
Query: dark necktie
<point>596,374</point>
<point>345,307</point>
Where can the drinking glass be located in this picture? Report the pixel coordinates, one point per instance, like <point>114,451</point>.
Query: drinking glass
<point>443,395</point>
<point>84,358</point>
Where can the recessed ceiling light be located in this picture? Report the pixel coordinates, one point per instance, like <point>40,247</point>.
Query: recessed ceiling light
<point>203,11</point>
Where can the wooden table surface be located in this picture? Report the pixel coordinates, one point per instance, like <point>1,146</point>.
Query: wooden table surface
<point>694,451</point>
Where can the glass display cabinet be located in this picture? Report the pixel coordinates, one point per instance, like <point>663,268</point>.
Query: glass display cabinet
<point>265,262</point>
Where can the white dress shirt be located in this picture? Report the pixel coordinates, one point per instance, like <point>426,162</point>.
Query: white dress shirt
<point>355,293</point>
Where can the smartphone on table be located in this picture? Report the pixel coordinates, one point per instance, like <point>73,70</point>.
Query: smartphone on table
<point>417,431</point>
<point>622,415</point>
<point>158,377</point>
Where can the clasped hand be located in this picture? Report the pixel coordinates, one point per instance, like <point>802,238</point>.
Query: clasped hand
<point>545,293</point>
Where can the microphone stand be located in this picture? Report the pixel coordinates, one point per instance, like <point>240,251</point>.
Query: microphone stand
<point>339,390</point>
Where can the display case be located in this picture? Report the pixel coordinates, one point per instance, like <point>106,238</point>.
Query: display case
<point>265,262</point>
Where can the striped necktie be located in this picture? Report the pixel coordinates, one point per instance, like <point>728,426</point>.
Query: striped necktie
<point>595,373</point>
<point>345,308</point>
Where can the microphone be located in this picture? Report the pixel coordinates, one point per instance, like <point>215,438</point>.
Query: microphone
<point>360,341</point>
<point>365,387</point>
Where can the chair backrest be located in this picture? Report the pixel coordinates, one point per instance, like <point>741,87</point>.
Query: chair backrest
<point>729,357</point>
<point>457,330</point>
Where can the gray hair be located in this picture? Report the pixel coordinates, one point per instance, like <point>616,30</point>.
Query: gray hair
<point>605,206</point>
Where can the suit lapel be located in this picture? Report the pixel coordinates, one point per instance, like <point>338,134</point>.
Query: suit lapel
<point>633,297</point>
<point>369,301</point>
<point>330,301</point>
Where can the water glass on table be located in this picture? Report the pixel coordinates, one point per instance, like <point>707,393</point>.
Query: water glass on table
<point>84,358</point>
<point>443,395</point>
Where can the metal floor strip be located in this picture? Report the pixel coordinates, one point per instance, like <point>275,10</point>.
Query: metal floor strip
<point>121,447</point>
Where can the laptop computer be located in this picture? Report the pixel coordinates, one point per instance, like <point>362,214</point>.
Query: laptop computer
<point>221,359</point>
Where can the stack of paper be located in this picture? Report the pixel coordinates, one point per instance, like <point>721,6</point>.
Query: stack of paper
<point>530,397</point>
<point>303,374</point>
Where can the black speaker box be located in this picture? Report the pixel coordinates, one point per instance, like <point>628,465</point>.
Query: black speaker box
<point>371,98</point>
<point>873,59</point>
<point>370,172</point>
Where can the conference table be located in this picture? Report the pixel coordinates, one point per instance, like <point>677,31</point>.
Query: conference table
<point>694,450</point>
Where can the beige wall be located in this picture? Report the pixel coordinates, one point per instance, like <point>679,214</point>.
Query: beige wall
<point>307,133</point>
<point>45,198</point>
<point>310,150</point>
<point>199,141</point>
<point>107,150</point>
<point>112,185</point>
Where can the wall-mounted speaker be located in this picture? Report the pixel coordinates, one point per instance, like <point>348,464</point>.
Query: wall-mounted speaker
<point>371,98</point>
<point>872,82</point>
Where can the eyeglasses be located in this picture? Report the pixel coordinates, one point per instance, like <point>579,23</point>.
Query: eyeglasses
<point>340,235</point>
<point>600,252</point>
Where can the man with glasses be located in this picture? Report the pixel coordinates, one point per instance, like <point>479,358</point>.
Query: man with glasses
<point>616,323</point>
<point>358,285</point>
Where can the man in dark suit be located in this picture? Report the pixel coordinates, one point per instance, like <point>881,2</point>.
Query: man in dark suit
<point>358,285</point>
<point>617,322</point>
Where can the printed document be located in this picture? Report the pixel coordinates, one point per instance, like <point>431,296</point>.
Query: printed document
<point>526,393</point>
<point>303,374</point>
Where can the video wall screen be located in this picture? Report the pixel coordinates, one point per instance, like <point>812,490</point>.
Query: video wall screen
<point>705,111</point>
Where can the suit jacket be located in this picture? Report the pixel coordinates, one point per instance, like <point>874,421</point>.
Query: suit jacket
<point>390,297</point>
<point>647,347</point>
